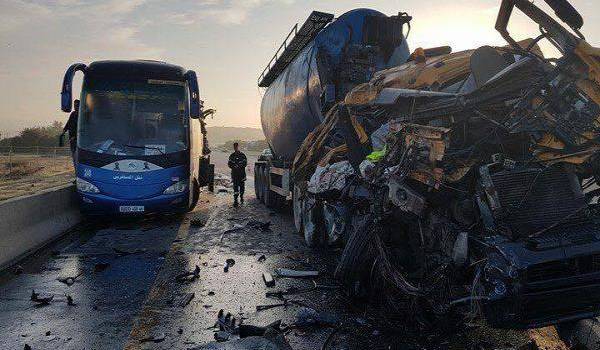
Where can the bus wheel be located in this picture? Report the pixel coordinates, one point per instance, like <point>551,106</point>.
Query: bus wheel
<point>297,206</point>
<point>195,195</point>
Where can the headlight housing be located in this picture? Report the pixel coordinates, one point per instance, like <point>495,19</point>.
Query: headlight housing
<point>178,187</point>
<point>84,186</point>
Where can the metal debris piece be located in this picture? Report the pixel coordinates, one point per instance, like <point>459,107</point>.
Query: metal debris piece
<point>268,279</point>
<point>285,304</point>
<point>262,258</point>
<point>18,269</point>
<point>289,273</point>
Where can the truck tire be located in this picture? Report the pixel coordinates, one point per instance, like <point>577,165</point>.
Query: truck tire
<point>352,263</point>
<point>269,196</point>
<point>256,182</point>
<point>311,219</point>
<point>298,207</point>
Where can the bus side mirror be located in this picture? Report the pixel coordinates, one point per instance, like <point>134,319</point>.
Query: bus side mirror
<point>66,94</point>
<point>195,104</point>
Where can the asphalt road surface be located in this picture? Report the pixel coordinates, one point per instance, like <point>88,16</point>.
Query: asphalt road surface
<point>128,291</point>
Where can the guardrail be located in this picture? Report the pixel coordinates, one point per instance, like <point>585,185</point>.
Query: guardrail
<point>28,223</point>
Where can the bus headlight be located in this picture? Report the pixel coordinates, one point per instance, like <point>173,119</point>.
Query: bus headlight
<point>177,187</point>
<point>86,187</point>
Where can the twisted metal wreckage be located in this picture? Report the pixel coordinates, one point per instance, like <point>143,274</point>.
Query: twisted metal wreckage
<point>468,177</point>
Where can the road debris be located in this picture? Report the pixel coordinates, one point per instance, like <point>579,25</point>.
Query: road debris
<point>268,279</point>
<point>186,299</point>
<point>121,252</point>
<point>41,299</point>
<point>69,281</point>
<point>228,263</point>
<point>289,273</point>
<point>158,338</point>
<point>18,269</point>
<point>70,301</point>
<point>261,258</point>
<point>189,276</point>
<point>308,317</point>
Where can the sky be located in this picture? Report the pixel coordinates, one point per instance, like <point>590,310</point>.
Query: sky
<point>227,42</point>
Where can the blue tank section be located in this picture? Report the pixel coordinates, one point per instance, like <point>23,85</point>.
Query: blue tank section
<point>292,105</point>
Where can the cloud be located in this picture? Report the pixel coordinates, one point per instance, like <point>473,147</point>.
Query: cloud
<point>119,7</point>
<point>16,13</point>
<point>232,12</point>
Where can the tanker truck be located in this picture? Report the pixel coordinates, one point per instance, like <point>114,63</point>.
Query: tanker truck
<point>457,183</point>
<point>316,65</point>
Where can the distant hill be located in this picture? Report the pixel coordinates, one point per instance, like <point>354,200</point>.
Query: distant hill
<point>218,135</point>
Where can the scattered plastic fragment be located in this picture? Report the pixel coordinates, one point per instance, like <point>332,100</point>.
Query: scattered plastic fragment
<point>154,338</point>
<point>282,272</point>
<point>228,263</point>
<point>268,279</point>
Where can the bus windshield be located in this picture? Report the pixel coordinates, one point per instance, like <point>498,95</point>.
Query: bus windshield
<point>133,118</point>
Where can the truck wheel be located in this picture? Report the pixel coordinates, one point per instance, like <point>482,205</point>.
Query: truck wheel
<point>259,184</point>
<point>256,182</point>
<point>352,265</point>
<point>298,207</point>
<point>269,196</point>
<point>311,219</point>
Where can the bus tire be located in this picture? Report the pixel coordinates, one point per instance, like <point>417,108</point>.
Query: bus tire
<point>211,178</point>
<point>298,207</point>
<point>195,195</point>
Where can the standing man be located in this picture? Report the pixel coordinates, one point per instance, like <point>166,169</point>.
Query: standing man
<point>71,127</point>
<point>237,163</point>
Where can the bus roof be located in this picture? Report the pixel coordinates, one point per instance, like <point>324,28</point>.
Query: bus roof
<point>135,70</point>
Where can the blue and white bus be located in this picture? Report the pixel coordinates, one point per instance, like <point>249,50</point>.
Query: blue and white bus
<point>141,140</point>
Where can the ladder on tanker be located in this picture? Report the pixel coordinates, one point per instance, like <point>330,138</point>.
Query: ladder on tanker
<point>293,44</point>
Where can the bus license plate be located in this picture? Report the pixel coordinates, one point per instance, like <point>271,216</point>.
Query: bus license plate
<point>131,209</point>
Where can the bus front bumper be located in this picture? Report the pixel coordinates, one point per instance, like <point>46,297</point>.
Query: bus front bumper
<point>99,204</point>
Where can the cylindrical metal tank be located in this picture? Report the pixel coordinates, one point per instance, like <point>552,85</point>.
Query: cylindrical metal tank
<point>292,105</point>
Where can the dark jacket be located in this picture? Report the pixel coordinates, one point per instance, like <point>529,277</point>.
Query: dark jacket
<point>237,163</point>
<point>71,125</point>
